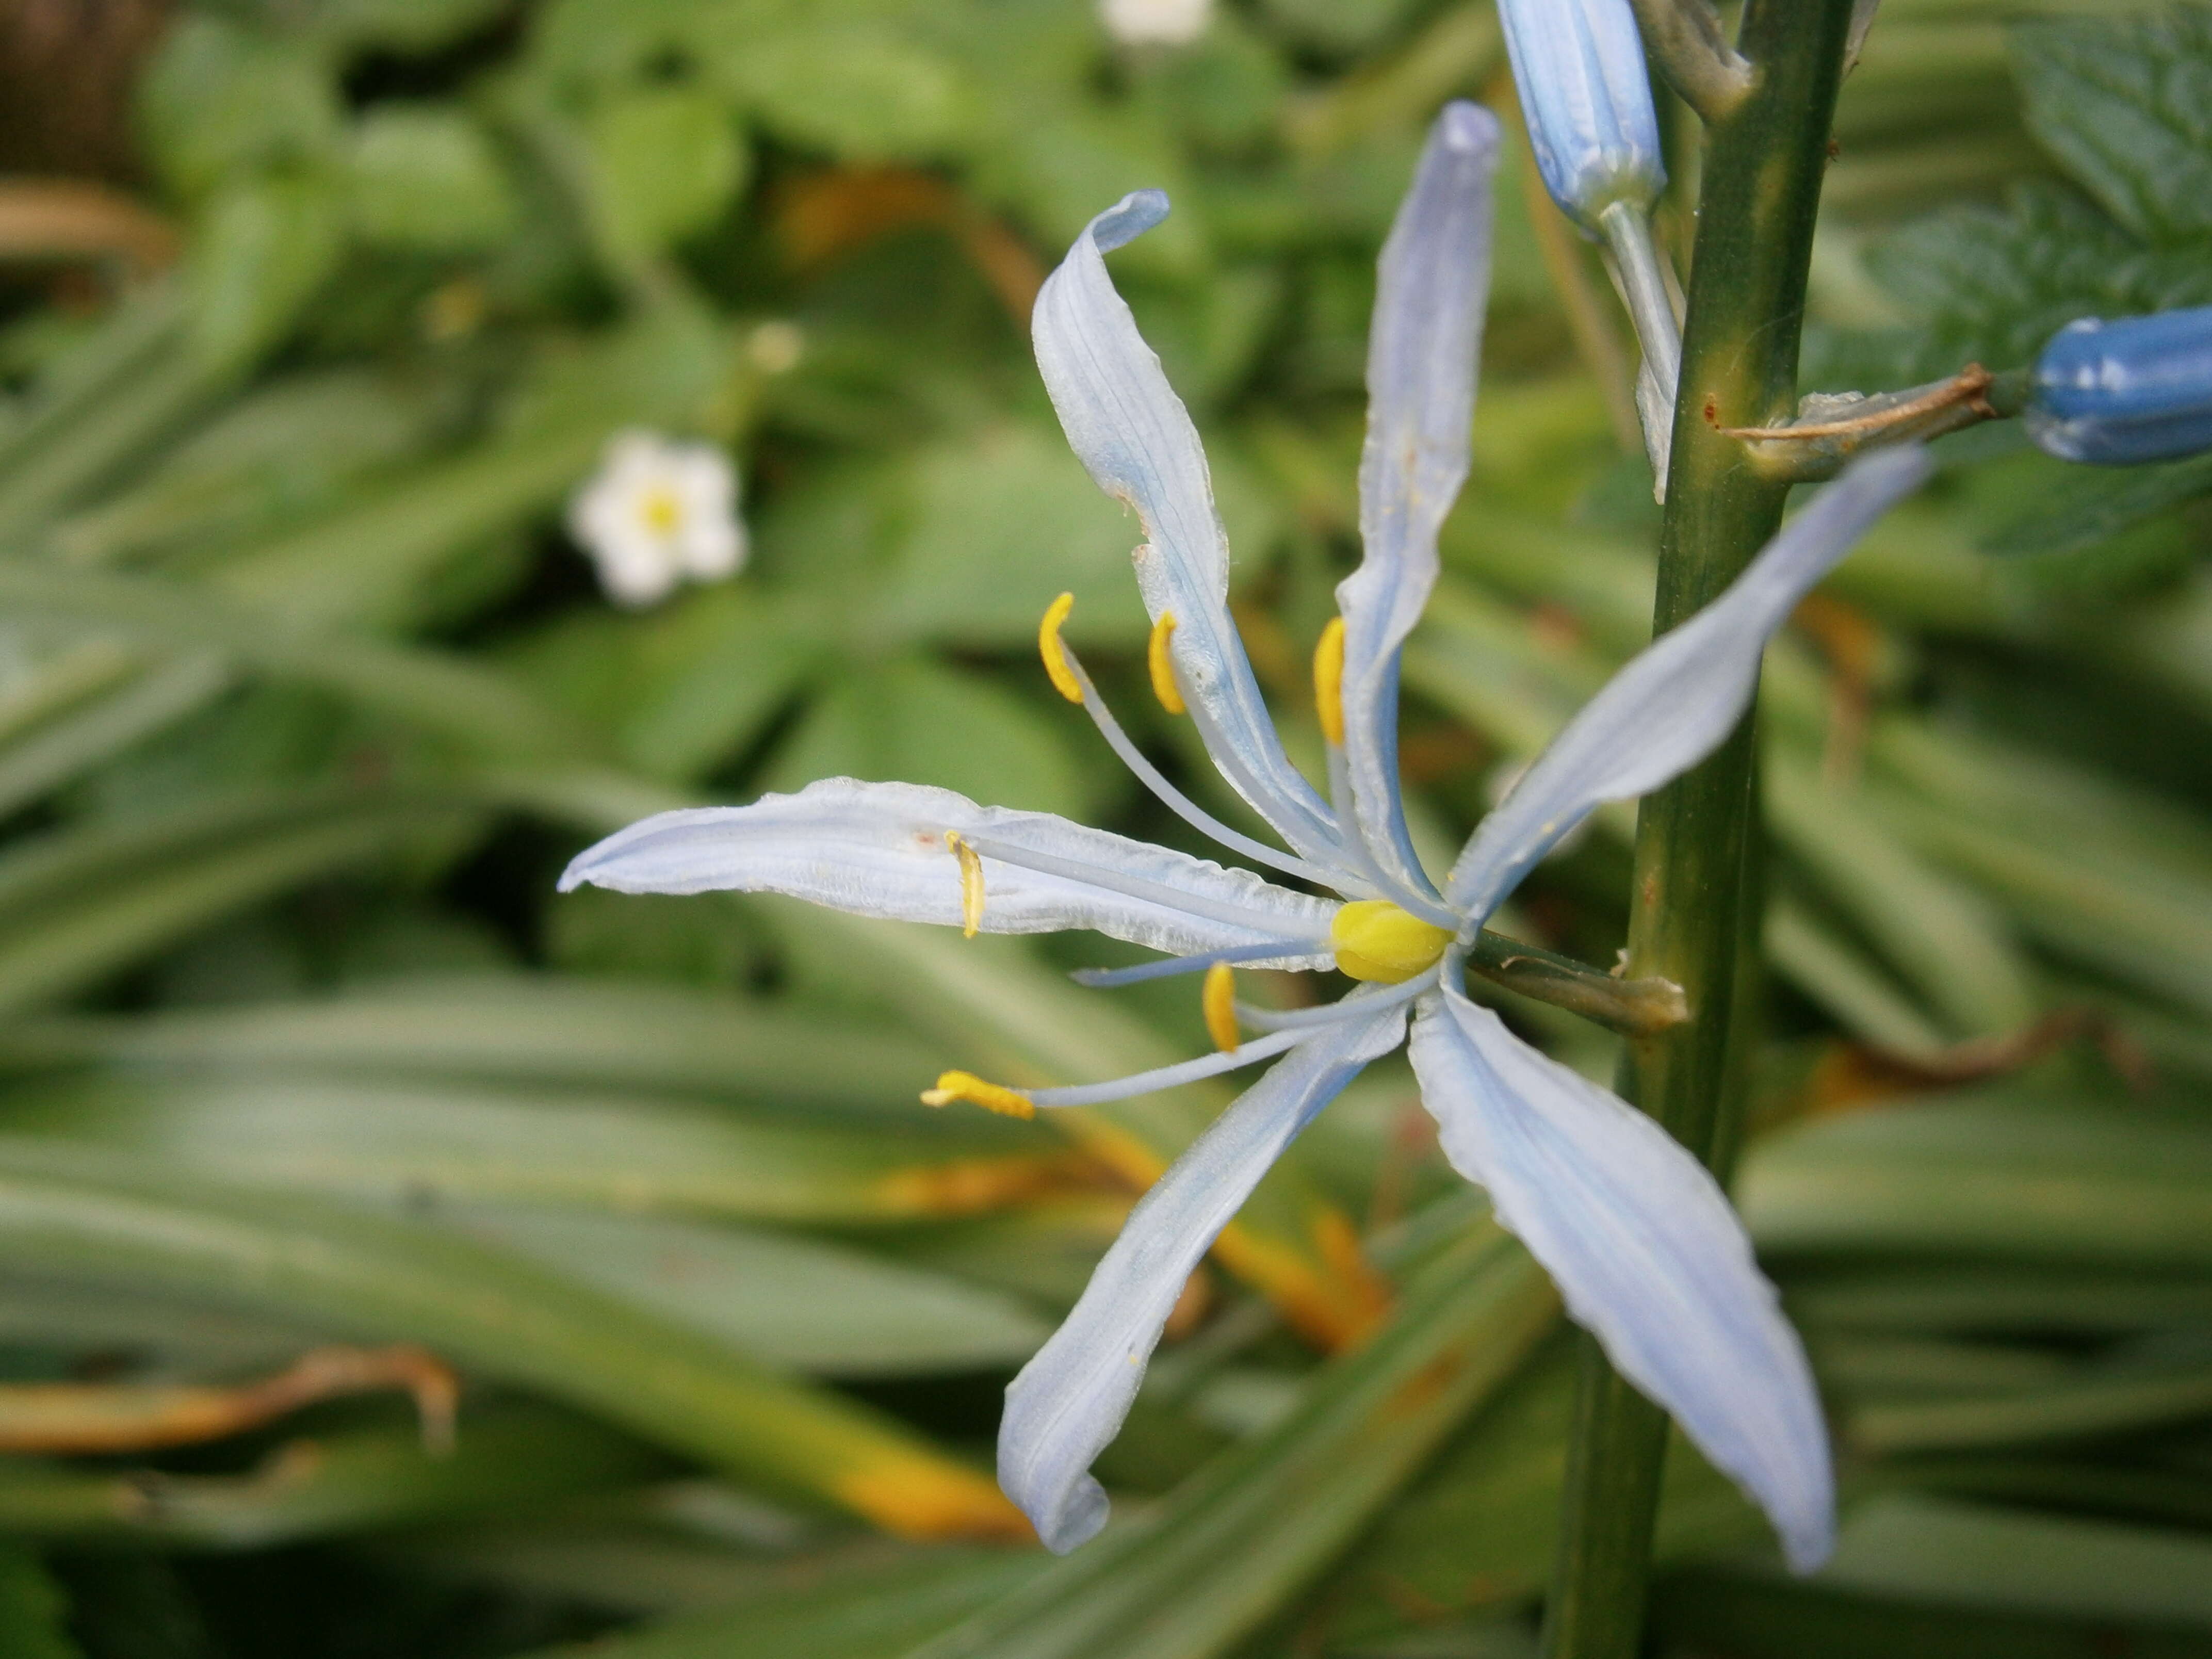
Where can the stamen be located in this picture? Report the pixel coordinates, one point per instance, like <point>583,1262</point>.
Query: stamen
<point>971,883</point>
<point>1137,887</point>
<point>1217,1001</point>
<point>1168,1077</point>
<point>1054,653</point>
<point>1363,1000</point>
<point>1173,798</point>
<point>1100,979</point>
<point>1266,800</point>
<point>1162,664</point>
<point>992,1096</point>
<point>1328,682</point>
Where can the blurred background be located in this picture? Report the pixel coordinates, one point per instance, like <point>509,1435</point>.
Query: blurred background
<point>397,1259</point>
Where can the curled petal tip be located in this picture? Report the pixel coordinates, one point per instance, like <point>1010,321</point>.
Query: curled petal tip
<point>1129,219</point>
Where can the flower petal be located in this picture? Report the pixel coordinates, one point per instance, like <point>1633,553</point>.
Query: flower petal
<point>1421,351</point>
<point>881,849</point>
<point>1672,706</point>
<point>1069,1401</point>
<point>1646,1251</point>
<point>1129,427</point>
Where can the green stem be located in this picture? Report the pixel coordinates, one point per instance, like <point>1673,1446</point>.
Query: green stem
<point>1762,173</point>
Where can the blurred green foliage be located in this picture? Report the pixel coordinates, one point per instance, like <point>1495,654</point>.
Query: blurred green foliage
<point>305,699</point>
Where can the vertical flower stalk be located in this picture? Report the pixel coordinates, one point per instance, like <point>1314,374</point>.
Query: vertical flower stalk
<point>1763,168</point>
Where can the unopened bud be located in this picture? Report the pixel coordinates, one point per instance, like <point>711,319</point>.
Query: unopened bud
<point>1587,98</point>
<point>2116,394</point>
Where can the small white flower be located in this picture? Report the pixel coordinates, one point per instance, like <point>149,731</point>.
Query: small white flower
<point>656,512</point>
<point>1156,23</point>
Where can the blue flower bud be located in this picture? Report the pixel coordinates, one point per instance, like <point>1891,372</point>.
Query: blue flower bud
<point>1579,67</point>
<point>2116,394</point>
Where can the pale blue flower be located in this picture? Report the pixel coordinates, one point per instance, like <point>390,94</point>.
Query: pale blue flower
<point>1640,1239</point>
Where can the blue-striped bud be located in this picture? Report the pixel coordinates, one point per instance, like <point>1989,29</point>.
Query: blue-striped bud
<point>2116,394</point>
<point>1587,98</point>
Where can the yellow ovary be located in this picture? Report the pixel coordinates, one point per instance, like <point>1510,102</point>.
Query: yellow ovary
<point>1162,665</point>
<point>1374,940</point>
<point>1328,681</point>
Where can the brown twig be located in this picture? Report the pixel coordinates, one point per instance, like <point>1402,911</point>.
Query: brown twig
<point>1968,388</point>
<point>119,1417</point>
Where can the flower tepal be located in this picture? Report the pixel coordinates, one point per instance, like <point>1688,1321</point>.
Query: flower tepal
<point>1645,1249</point>
<point>657,511</point>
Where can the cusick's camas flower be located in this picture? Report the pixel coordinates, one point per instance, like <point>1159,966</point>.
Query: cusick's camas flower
<point>1640,1240</point>
<point>656,512</point>
<point>2119,393</point>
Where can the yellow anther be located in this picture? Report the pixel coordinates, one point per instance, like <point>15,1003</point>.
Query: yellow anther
<point>991,1096</point>
<point>1162,665</point>
<point>1217,1001</point>
<point>971,883</point>
<point>1328,681</point>
<point>1054,653</point>
<point>1374,940</point>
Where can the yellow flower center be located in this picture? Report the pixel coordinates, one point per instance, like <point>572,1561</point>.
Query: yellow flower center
<point>661,511</point>
<point>1374,940</point>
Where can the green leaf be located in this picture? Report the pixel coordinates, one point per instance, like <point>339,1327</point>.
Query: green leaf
<point>684,688</point>
<point>442,693</point>
<point>1226,1553</point>
<point>915,721</point>
<point>410,27</point>
<point>1990,285</point>
<point>665,162</point>
<point>397,1143</point>
<point>78,904</point>
<point>34,1612</point>
<point>422,177</point>
<point>1944,1550</point>
<point>222,96</point>
<point>796,1303</point>
<point>2091,505</point>
<point>867,1608</point>
<point>1950,943</point>
<point>284,450</point>
<point>2126,104</point>
<point>1475,1532</point>
<point>1000,526</point>
<point>1990,1176</point>
<point>265,243</point>
<point>62,742</point>
<point>564,1030</point>
<point>82,1212</point>
<point>505,1457</point>
<point>862,91</point>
